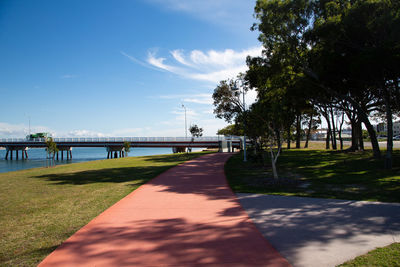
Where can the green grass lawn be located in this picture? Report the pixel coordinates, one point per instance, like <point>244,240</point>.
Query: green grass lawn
<point>384,257</point>
<point>319,173</point>
<point>40,208</point>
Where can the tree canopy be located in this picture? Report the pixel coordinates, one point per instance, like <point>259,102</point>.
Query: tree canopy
<point>335,58</point>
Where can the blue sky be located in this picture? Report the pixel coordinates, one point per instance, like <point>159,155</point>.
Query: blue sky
<point>118,68</point>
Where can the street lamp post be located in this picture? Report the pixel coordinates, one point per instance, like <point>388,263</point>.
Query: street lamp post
<point>237,89</point>
<point>185,121</point>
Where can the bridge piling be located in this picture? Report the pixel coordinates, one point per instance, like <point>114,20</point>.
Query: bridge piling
<point>116,144</point>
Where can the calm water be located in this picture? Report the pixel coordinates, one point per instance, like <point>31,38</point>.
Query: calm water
<point>37,157</point>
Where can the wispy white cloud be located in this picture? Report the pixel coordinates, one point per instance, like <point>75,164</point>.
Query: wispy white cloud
<point>199,99</point>
<point>159,63</point>
<point>211,66</point>
<point>191,98</point>
<point>178,56</point>
<point>236,14</point>
<point>137,61</point>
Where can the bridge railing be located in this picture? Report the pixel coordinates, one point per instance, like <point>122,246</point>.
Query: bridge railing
<point>123,139</point>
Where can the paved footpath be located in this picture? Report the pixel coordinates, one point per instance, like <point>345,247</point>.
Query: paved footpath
<point>313,232</point>
<point>187,216</point>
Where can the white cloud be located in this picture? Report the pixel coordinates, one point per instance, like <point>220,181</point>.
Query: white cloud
<point>199,99</point>
<point>84,133</point>
<point>205,99</point>
<point>211,66</point>
<point>8,130</point>
<point>12,130</point>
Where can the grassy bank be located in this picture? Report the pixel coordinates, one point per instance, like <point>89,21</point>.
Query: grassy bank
<point>388,256</point>
<point>319,173</point>
<point>40,208</point>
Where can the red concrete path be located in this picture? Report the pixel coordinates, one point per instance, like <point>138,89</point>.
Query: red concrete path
<point>186,216</point>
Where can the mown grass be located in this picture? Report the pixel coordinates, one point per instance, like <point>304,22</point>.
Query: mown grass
<point>388,256</point>
<point>319,173</point>
<point>40,208</point>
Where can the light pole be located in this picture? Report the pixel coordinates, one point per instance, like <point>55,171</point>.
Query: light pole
<point>185,121</point>
<point>29,122</point>
<point>237,89</point>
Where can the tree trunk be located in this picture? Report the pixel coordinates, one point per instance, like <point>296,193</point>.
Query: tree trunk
<point>389,142</point>
<point>327,140</point>
<point>298,130</point>
<point>333,130</point>
<point>360,135</point>
<point>274,158</point>
<point>289,137</point>
<point>274,172</point>
<point>397,92</point>
<point>362,114</point>
<point>309,127</point>
<point>340,132</point>
<point>372,135</point>
<point>278,138</point>
<point>329,131</point>
<point>354,136</point>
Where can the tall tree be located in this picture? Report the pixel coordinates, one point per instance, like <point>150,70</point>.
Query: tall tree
<point>332,43</point>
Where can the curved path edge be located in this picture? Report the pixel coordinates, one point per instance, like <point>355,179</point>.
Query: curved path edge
<point>186,216</point>
<point>315,232</point>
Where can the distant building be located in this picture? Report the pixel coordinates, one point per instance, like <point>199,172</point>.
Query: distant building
<point>381,128</point>
<point>320,134</point>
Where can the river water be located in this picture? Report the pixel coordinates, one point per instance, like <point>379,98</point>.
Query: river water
<point>37,156</point>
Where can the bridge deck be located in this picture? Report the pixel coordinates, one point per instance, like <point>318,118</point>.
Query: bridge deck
<point>119,141</point>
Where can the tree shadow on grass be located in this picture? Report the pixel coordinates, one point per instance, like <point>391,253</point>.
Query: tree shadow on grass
<point>331,174</point>
<point>178,157</point>
<point>121,174</point>
<point>110,175</point>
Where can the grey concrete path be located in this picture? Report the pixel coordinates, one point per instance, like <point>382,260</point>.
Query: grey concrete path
<point>322,232</point>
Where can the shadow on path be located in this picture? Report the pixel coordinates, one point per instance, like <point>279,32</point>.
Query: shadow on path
<point>187,216</point>
<point>322,232</point>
